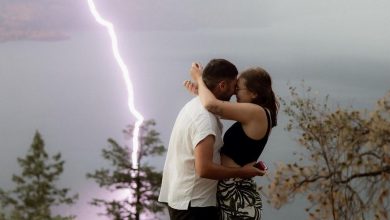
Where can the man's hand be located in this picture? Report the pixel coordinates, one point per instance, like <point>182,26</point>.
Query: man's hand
<point>249,171</point>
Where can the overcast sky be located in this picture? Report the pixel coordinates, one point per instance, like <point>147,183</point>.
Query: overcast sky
<point>58,75</point>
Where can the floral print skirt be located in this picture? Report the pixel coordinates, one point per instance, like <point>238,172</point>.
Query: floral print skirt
<point>239,199</point>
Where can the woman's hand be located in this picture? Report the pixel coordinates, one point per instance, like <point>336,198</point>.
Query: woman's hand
<point>196,71</point>
<point>191,87</point>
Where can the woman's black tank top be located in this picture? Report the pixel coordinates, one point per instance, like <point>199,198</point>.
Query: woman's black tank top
<point>241,148</point>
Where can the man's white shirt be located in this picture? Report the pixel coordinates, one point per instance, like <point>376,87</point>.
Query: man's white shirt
<point>180,184</point>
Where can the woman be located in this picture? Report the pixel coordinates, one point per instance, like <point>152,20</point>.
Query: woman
<point>255,113</point>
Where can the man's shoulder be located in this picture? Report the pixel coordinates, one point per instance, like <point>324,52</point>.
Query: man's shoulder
<point>195,108</point>
<point>194,102</point>
<point>194,113</point>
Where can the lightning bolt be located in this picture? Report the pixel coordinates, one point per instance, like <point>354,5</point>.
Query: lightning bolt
<point>125,72</point>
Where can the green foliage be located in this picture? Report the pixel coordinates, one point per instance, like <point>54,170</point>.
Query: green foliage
<point>142,185</point>
<point>35,191</point>
<point>344,170</point>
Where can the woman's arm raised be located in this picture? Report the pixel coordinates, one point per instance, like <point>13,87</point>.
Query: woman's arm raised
<point>242,112</point>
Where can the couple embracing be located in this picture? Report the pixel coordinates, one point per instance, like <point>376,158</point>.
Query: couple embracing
<point>207,176</point>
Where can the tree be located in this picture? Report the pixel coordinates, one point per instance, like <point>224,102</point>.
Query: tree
<point>344,170</point>
<point>35,192</point>
<point>142,184</point>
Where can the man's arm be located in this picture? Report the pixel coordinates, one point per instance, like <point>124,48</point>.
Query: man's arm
<point>206,168</point>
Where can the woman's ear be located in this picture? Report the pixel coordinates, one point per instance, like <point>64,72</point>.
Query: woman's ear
<point>253,95</point>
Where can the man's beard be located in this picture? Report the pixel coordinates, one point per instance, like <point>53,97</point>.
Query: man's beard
<point>225,97</point>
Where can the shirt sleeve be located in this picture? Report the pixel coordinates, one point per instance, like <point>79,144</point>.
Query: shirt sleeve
<point>203,127</point>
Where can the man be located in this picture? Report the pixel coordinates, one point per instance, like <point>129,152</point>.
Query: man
<point>192,166</point>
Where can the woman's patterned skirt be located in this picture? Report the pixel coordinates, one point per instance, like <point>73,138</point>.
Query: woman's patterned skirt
<point>239,199</point>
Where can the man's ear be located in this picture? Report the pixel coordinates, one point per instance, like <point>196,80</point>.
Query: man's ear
<point>222,84</point>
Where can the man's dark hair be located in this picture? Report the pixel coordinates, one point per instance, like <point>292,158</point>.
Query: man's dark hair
<point>217,70</point>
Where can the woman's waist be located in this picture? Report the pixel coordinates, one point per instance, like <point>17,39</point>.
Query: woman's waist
<point>227,161</point>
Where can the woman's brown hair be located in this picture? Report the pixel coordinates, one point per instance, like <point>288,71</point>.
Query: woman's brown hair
<point>258,81</point>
